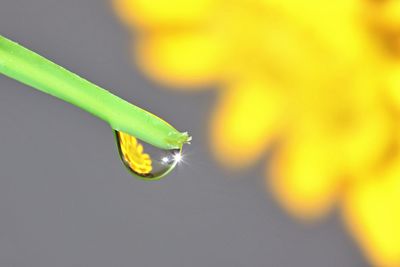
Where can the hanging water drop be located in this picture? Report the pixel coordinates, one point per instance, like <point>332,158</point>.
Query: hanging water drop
<point>144,160</point>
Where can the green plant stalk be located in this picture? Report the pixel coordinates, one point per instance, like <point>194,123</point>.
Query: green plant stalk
<point>34,70</point>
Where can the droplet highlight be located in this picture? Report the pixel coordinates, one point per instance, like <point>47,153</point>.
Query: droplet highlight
<point>144,160</point>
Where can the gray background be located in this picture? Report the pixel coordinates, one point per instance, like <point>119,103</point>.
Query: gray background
<point>66,199</point>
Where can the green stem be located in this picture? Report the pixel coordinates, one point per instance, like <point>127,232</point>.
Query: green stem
<point>32,69</point>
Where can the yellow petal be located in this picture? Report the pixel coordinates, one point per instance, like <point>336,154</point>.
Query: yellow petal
<point>393,86</point>
<point>363,141</point>
<point>372,212</point>
<point>180,58</point>
<point>248,117</point>
<point>350,120</point>
<point>386,14</point>
<point>156,13</point>
<point>303,176</point>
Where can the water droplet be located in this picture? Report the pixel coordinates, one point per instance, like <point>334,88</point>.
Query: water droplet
<point>144,160</point>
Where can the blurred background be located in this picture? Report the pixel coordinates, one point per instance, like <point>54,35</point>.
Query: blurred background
<point>292,106</point>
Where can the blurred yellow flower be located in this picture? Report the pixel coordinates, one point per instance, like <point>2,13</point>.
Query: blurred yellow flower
<point>320,79</point>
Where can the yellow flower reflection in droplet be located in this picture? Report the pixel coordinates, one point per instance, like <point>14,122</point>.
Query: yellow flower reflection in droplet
<point>321,79</point>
